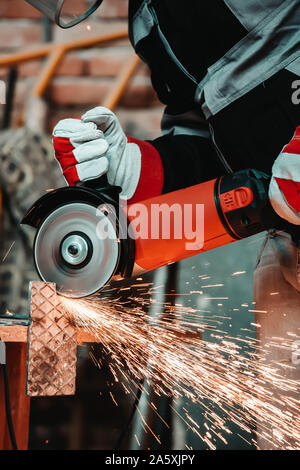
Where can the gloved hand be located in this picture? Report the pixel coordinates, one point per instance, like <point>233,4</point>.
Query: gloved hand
<point>284,190</point>
<point>94,145</point>
<point>80,150</point>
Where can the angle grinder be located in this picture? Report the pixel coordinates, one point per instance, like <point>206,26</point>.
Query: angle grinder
<point>85,236</point>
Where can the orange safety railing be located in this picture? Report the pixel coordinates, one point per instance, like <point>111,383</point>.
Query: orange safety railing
<point>55,52</point>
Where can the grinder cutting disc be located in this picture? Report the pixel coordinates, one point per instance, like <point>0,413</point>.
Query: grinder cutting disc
<point>77,247</point>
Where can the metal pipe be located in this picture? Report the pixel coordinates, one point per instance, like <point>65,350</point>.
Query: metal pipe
<point>117,91</point>
<point>48,71</point>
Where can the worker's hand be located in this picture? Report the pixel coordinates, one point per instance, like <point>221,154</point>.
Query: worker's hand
<point>124,157</point>
<point>94,145</point>
<point>80,149</point>
<point>284,191</point>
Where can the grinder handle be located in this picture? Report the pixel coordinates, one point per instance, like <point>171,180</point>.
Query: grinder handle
<point>100,184</point>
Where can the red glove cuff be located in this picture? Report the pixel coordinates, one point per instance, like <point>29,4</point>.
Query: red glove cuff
<point>152,175</point>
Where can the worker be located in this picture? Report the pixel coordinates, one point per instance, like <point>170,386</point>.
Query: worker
<point>228,73</point>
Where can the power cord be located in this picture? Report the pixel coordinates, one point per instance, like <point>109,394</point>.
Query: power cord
<point>7,399</point>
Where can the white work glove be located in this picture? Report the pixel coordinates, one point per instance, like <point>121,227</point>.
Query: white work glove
<point>124,158</point>
<point>88,148</point>
<point>284,190</point>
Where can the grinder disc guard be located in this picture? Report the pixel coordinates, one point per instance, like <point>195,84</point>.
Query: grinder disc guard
<point>77,247</point>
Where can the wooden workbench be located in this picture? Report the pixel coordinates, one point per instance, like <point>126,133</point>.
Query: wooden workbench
<point>15,337</point>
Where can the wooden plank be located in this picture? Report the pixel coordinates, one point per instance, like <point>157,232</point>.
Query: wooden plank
<point>16,354</point>
<point>13,333</point>
<point>85,337</point>
<point>18,334</point>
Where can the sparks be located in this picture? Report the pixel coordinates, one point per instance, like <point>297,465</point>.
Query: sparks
<point>169,352</point>
<point>8,251</point>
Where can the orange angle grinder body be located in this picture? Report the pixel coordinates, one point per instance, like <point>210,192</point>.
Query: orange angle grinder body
<point>85,237</point>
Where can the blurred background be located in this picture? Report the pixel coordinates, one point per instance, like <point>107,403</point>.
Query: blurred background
<point>82,80</point>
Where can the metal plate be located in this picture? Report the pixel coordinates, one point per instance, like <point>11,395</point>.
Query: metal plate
<point>77,281</point>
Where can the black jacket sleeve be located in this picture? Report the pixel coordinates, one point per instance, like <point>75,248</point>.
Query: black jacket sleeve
<point>187,160</point>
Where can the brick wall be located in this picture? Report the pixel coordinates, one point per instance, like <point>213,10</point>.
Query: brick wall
<point>84,77</point>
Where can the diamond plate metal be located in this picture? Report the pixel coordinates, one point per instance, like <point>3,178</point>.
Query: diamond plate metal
<point>52,345</point>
